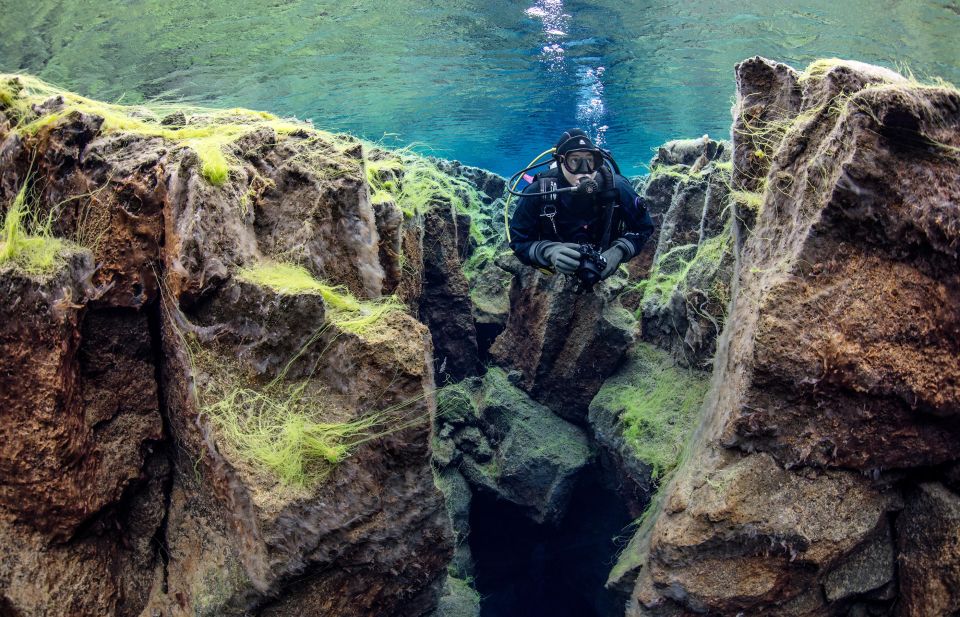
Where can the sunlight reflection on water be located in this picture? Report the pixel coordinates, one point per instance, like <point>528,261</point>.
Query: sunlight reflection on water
<point>491,82</point>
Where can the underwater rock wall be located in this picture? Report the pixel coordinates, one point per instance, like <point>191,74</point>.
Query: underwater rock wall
<point>831,426</point>
<point>208,406</point>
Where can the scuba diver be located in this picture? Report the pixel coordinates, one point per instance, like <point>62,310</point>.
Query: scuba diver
<point>580,217</point>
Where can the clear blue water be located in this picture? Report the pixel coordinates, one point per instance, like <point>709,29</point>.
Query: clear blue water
<point>489,82</point>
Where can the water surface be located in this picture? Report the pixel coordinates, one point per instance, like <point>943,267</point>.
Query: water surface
<point>489,82</point>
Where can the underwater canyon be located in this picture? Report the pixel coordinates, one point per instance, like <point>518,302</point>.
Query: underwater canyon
<point>265,350</point>
<point>253,368</point>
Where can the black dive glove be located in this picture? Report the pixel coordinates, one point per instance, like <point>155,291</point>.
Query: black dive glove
<point>618,253</point>
<point>562,256</point>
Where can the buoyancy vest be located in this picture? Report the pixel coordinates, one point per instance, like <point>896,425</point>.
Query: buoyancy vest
<point>607,198</point>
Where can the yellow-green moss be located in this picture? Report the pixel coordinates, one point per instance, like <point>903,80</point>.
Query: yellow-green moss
<point>344,311</point>
<point>680,172</point>
<point>818,68</point>
<point>27,242</point>
<point>659,406</point>
<point>208,132</point>
<point>416,184</point>
<point>671,270</point>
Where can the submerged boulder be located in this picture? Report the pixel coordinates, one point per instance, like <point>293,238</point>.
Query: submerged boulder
<point>563,343</point>
<point>835,379</point>
<point>509,445</point>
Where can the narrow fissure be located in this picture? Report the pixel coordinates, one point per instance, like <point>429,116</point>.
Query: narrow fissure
<point>159,538</point>
<point>522,568</point>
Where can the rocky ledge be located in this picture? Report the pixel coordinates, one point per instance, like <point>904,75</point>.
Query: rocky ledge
<point>821,477</point>
<point>217,385</point>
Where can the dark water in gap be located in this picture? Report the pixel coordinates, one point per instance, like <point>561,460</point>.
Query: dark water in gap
<point>530,570</point>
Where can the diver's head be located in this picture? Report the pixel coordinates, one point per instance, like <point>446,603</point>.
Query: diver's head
<point>577,156</point>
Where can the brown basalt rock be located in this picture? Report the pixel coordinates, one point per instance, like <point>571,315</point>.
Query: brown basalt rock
<point>118,521</point>
<point>71,434</point>
<point>563,343</point>
<point>445,304</point>
<point>104,191</point>
<point>767,92</point>
<point>743,534</point>
<point>341,546</point>
<point>870,378</point>
<point>928,532</point>
<point>81,478</point>
<point>838,363</point>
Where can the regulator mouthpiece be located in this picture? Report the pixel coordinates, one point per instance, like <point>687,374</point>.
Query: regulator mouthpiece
<point>587,186</point>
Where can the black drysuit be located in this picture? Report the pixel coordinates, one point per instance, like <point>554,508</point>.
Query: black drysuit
<point>579,218</point>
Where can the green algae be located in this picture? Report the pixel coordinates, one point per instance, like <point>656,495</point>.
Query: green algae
<point>344,310</point>
<point>680,172</point>
<point>416,185</point>
<point>672,271</point>
<point>658,405</point>
<point>26,241</point>
<point>207,132</point>
<point>293,429</point>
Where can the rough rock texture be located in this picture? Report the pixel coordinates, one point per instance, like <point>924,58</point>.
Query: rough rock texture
<point>838,364</point>
<point>564,344</point>
<point>120,491</point>
<point>684,302</point>
<point>445,305</point>
<point>509,445</point>
<point>81,475</point>
<point>928,534</point>
<point>490,292</point>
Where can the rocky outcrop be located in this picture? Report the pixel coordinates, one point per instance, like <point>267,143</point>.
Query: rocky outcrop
<point>445,304</point>
<point>835,380</point>
<point>683,299</point>
<point>509,445</point>
<point>82,466</point>
<point>193,425</point>
<point>563,343</point>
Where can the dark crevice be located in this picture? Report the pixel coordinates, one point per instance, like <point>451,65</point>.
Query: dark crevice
<point>159,539</point>
<point>523,568</point>
<point>486,334</point>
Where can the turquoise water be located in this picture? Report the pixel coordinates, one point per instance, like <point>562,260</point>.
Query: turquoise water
<point>489,82</point>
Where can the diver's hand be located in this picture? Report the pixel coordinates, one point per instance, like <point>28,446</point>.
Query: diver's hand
<point>614,255</point>
<point>563,256</point>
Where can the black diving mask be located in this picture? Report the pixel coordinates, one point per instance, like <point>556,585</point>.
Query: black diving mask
<point>582,161</point>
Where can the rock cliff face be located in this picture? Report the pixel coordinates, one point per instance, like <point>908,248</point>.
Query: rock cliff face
<point>831,425</point>
<point>208,409</point>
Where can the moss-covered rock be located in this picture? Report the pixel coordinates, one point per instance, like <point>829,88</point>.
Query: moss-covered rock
<point>644,415</point>
<point>828,406</point>
<point>457,496</point>
<point>509,445</point>
<point>459,599</point>
<point>563,343</point>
